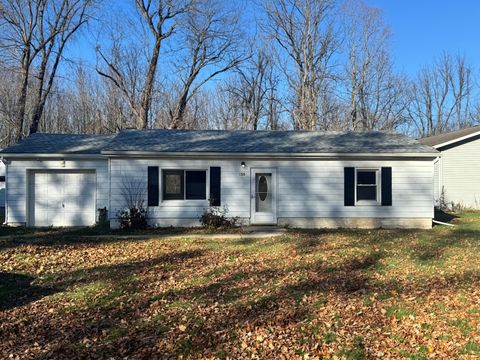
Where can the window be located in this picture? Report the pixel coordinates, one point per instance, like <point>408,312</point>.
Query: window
<point>184,185</point>
<point>367,185</point>
<point>195,185</point>
<point>173,185</point>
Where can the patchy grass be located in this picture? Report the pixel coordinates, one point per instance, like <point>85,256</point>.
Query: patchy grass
<point>355,294</point>
<point>104,230</point>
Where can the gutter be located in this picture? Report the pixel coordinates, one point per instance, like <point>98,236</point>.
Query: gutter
<point>50,156</point>
<point>215,155</point>
<point>143,154</point>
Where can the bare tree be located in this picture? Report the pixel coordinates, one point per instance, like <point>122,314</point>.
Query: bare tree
<point>35,33</point>
<point>162,18</point>
<point>133,191</point>
<point>303,30</point>
<point>376,95</point>
<point>8,98</point>
<point>250,89</point>
<point>227,113</point>
<point>85,99</point>
<point>213,42</point>
<point>274,107</point>
<point>248,98</point>
<point>442,96</point>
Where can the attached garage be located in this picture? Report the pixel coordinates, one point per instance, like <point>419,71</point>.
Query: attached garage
<point>61,198</point>
<point>56,180</point>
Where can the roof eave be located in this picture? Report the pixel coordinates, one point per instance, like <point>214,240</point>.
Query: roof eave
<point>433,154</point>
<point>136,154</point>
<point>50,156</point>
<point>450,142</point>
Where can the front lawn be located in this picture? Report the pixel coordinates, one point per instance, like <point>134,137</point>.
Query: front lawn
<point>327,293</point>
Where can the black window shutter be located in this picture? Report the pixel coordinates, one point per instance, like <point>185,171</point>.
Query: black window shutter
<point>215,186</point>
<point>386,186</point>
<point>153,188</point>
<point>349,186</point>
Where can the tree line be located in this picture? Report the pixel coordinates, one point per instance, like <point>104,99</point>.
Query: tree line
<point>216,64</point>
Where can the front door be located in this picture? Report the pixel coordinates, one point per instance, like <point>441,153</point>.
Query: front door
<point>263,206</point>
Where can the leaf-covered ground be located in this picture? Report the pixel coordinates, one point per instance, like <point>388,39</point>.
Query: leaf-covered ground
<point>307,294</point>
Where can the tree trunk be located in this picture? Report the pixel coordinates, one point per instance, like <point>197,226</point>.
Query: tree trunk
<point>22,100</point>
<point>179,112</point>
<point>147,89</point>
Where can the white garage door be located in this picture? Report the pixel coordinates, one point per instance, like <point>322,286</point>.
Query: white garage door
<point>62,198</point>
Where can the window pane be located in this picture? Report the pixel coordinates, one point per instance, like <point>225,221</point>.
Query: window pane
<point>367,177</point>
<point>262,187</point>
<point>366,193</point>
<point>263,197</point>
<point>195,185</point>
<point>173,184</point>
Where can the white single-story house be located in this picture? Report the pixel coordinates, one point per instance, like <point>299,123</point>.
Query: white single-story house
<point>457,169</point>
<point>286,178</point>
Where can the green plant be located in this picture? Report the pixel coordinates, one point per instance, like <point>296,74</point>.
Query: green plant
<point>216,218</point>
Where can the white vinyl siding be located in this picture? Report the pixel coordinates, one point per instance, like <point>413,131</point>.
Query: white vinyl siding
<point>436,182</point>
<point>460,174</point>
<point>306,188</point>
<point>17,180</point>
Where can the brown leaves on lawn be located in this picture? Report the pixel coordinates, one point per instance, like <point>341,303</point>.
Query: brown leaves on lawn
<point>308,294</point>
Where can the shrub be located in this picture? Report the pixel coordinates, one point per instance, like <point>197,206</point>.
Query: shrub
<point>216,218</point>
<point>102,216</point>
<point>133,218</point>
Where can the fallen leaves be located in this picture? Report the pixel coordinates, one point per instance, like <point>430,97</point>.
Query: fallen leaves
<point>306,295</point>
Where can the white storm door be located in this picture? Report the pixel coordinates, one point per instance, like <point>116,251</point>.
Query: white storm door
<point>263,199</point>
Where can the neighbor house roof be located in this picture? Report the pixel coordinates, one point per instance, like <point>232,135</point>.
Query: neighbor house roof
<point>159,141</point>
<point>40,143</point>
<point>451,137</point>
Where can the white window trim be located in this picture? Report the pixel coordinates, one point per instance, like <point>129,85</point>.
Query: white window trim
<point>186,202</point>
<point>377,202</point>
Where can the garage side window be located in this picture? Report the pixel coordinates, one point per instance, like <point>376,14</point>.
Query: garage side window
<point>184,184</point>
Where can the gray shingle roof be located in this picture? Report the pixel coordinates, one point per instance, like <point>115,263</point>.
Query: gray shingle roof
<point>59,144</point>
<point>217,141</point>
<point>245,141</point>
<point>453,135</point>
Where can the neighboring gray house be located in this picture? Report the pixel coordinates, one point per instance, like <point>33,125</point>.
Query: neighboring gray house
<point>457,170</point>
<point>300,179</point>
